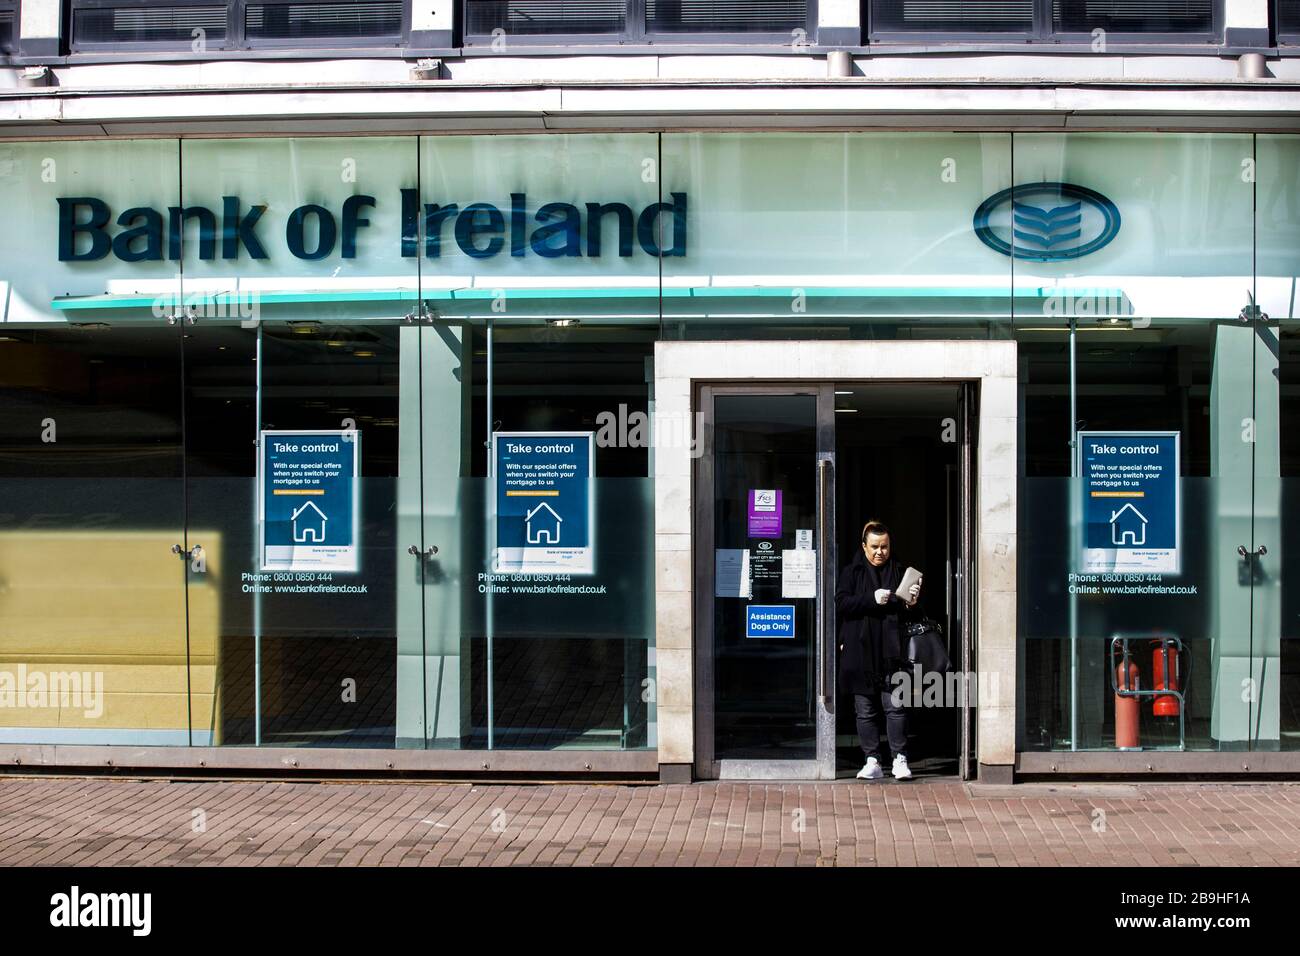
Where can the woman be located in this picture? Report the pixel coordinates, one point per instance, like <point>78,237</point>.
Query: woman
<point>872,646</point>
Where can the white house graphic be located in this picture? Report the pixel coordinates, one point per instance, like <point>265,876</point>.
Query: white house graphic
<point>1128,529</point>
<point>542,529</point>
<point>309,528</point>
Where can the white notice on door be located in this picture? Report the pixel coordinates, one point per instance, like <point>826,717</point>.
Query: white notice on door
<point>803,539</point>
<point>799,573</point>
<point>731,573</point>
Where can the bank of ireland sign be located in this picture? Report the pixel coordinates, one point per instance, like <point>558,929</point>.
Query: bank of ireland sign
<point>1047,222</point>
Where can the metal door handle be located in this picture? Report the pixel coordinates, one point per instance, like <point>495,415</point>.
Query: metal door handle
<point>1246,552</point>
<point>431,550</point>
<point>823,656</point>
<point>428,552</point>
<point>178,550</point>
<point>414,549</point>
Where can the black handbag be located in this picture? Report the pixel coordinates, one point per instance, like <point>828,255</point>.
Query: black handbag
<point>925,646</point>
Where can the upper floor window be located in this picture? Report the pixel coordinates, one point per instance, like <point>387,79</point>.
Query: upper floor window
<point>632,21</point>
<point>201,25</point>
<point>725,16</point>
<point>8,26</point>
<point>544,17</point>
<point>937,17</point>
<point>1133,16</point>
<point>1053,20</point>
<point>1288,21</point>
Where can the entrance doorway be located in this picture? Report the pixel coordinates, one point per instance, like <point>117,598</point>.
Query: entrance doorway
<point>788,475</point>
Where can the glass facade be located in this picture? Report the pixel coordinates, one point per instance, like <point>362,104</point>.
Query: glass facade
<point>174,312</point>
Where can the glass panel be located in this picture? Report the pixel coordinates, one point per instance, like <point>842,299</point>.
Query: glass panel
<point>544,260</point>
<point>798,235</point>
<point>355,19</point>
<point>152,23</point>
<point>1133,16</point>
<point>92,617</point>
<point>952,16</point>
<point>725,16</point>
<point>7,20</point>
<point>94,246</point>
<point>571,652</point>
<point>1288,17</point>
<point>764,653</point>
<point>544,17</point>
<point>298,338</point>
<point>1275,720</point>
<point>1158,348</point>
<point>92,598</point>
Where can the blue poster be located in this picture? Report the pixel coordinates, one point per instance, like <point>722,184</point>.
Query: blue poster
<point>1131,508</point>
<point>544,502</point>
<point>307,500</point>
<point>769,620</point>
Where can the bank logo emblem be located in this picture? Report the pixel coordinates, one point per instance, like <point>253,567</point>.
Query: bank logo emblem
<point>1047,222</point>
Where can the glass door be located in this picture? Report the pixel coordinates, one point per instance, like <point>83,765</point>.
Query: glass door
<point>92,590</point>
<point>302,446</point>
<point>765,498</point>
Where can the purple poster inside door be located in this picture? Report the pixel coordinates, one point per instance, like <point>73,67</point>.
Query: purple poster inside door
<point>764,513</point>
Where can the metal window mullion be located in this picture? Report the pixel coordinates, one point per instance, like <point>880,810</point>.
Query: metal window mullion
<point>1043,25</point>
<point>634,26</point>
<point>235,25</point>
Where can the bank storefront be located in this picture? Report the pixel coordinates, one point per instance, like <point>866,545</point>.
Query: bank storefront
<point>539,453</point>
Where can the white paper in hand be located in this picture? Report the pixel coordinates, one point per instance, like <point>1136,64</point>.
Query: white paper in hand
<point>910,576</point>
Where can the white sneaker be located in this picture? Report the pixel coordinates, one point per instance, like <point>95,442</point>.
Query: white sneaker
<point>872,770</point>
<point>901,770</point>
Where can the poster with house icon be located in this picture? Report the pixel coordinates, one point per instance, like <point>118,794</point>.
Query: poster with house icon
<point>1132,515</point>
<point>543,502</point>
<point>308,500</point>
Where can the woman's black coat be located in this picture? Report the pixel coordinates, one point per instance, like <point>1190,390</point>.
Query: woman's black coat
<point>871,635</point>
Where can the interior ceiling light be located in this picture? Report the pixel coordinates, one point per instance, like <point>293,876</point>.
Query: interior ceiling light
<point>563,323</point>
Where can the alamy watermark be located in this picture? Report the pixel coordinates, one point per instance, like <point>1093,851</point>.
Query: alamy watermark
<point>627,429</point>
<point>1101,307</point>
<point>75,908</point>
<point>64,690</point>
<point>241,304</point>
<point>932,689</point>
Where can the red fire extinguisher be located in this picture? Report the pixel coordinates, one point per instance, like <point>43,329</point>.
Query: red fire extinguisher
<point>1126,707</point>
<point>1165,678</point>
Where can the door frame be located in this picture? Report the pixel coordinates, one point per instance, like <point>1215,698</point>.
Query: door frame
<point>822,765</point>
<point>992,363</point>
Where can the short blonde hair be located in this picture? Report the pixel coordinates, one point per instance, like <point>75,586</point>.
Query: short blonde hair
<point>873,527</point>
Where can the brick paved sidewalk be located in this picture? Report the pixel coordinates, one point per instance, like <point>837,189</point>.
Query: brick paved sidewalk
<point>85,821</point>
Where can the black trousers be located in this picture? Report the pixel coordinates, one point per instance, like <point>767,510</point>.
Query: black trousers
<point>869,709</point>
